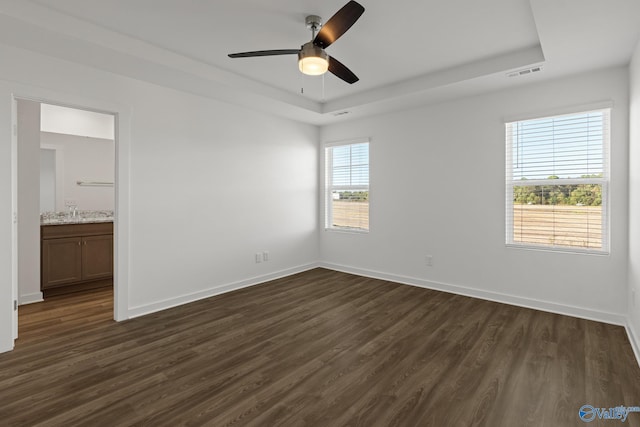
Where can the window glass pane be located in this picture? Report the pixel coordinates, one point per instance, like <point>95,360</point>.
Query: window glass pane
<point>350,209</point>
<point>350,164</point>
<point>545,208</point>
<point>559,215</point>
<point>341,156</point>
<point>347,205</point>
<point>563,147</point>
<point>360,175</point>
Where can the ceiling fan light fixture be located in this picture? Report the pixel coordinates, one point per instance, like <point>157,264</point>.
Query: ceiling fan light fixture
<point>313,60</point>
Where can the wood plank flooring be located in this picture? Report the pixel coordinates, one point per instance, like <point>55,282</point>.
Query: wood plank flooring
<point>320,348</point>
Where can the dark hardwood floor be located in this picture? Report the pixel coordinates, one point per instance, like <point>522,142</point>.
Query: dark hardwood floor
<point>319,348</point>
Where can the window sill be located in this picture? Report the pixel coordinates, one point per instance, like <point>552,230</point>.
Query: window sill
<point>347,230</point>
<point>566,250</point>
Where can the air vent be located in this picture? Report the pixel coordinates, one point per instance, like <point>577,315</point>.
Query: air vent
<point>340,113</point>
<point>525,71</point>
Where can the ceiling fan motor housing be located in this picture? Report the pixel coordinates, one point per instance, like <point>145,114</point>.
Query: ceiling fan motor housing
<point>313,59</point>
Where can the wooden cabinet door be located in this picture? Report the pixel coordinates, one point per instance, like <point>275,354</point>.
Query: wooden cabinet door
<point>97,257</point>
<point>61,261</point>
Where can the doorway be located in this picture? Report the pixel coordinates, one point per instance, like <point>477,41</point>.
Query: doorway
<point>66,170</point>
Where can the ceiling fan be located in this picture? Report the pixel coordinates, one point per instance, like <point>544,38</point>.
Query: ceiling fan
<point>312,58</point>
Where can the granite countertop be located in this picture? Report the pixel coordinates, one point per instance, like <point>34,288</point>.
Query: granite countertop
<point>81,217</point>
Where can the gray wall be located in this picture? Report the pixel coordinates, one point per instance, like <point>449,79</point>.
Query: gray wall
<point>438,188</point>
<point>203,186</point>
<point>28,202</point>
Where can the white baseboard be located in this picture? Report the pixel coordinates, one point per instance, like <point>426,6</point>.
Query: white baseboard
<point>216,290</point>
<point>599,316</point>
<point>30,298</point>
<point>4,349</point>
<point>634,339</point>
<point>596,315</point>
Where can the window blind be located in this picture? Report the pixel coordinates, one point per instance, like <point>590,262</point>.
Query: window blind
<point>557,174</point>
<point>347,186</point>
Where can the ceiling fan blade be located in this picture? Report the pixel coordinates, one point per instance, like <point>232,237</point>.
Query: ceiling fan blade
<point>264,53</point>
<point>341,71</point>
<point>338,24</point>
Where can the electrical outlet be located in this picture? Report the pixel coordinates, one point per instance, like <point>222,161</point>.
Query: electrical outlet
<point>258,257</point>
<point>428,260</point>
<point>265,256</point>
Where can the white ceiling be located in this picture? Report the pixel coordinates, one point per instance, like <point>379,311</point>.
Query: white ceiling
<point>406,52</point>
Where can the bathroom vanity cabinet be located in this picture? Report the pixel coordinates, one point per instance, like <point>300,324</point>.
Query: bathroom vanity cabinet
<point>76,257</point>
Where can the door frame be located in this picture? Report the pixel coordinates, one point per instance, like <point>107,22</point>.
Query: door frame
<point>122,115</point>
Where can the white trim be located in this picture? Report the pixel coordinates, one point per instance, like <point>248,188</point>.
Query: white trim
<point>142,310</point>
<point>122,142</point>
<point>566,310</point>
<point>347,230</point>
<point>327,157</point>
<point>15,215</point>
<point>511,182</point>
<point>564,249</point>
<point>122,213</point>
<point>6,348</point>
<point>360,140</point>
<point>30,298</point>
<point>328,188</point>
<point>551,307</point>
<point>560,111</point>
<point>634,340</point>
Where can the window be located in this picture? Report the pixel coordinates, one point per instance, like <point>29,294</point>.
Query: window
<point>557,181</point>
<point>347,186</point>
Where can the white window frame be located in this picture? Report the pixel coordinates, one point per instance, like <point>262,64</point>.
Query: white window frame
<point>329,188</point>
<point>603,181</point>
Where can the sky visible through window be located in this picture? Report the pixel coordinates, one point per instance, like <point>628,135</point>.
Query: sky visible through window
<point>557,176</point>
<point>565,147</point>
<point>351,165</point>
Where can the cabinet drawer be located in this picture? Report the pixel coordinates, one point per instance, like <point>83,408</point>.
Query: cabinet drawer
<point>68,230</point>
